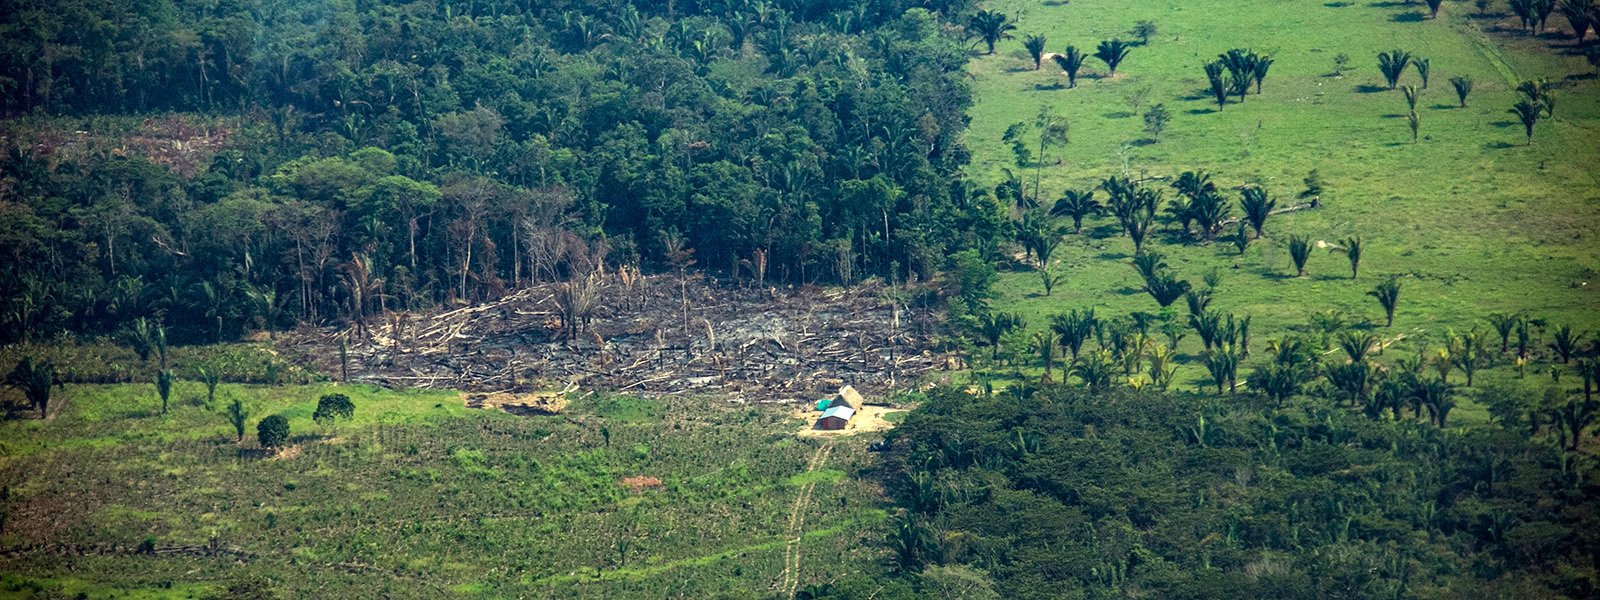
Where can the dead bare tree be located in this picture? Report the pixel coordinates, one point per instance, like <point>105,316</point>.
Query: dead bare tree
<point>578,299</point>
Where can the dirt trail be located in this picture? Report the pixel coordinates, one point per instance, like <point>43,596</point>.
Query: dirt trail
<point>790,579</point>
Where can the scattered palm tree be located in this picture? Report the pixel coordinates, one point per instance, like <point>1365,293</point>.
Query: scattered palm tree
<point>1412,95</point>
<point>1165,288</point>
<point>1050,281</point>
<point>1223,365</point>
<point>1352,248</point>
<point>1074,328</point>
<point>1299,252</point>
<point>209,377</point>
<point>995,325</point>
<point>1139,229</point>
<point>1463,87</point>
<point>1070,61</point>
<point>1415,121</point>
<point>1219,87</point>
<point>1112,52</point>
<point>1504,324</point>
<point>1393,64</point>
<point>1035,46</point>
<point>1149,264</point>
<point>1044,343</point>
<point>164,387</point>
<point>1538,91</point>
<point>35,380</point>
<point>1527,112</point>
<point>990,27</point>
<point>1241,238</point>
<point>1077,205</point>
<point>238,416</point>
<point>1388,296</point>
<point>1468,353</point>
<point>1357,346</point>
<point>1094,369</point>
<point>1259,72</point>
<point>1565,343</point>
<point>1424,68</point>
<point>1241,65</point>
<point>1257,207</point>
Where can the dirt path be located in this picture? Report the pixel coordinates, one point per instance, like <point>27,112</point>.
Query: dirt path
<point>790,579</point>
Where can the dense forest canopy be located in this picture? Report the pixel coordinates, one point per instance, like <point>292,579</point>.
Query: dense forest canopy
<point>402,154</point>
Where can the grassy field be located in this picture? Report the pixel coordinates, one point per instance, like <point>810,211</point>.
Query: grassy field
<point>419,496</point>
<point>1472,220</point>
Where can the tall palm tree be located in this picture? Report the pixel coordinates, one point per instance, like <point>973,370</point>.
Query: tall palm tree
<point>1565,343</point>
<point>1077,204</point>
<point>1388,296</point>
<point>35,380</point>
<point>1463,86</point>
<point>1529,113</point>
<point>1074,328</point>
<point>990,27</point>
<point>1112,52</point>
<point>1070,61</point>
<point>1044,343</point>
<point>1352,248</point>
<point>1219,87</point>
<point>1393,64</point>
<point>1356,346</point>
<point>1241,65</point>
<point>1299,252</point>
<point>1504,324</point>
<point>1035,46</point>
<point>1166,288</point>
<point>1257,207</point>
<point>1259,72</point>
<point>995,325</point>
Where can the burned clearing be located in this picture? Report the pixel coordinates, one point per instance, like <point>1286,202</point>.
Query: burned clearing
<point>647,335</point>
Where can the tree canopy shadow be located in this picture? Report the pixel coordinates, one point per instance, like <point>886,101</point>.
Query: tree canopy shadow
<point>1501,145</point>
<point>1409,17</point>
<point>1367,88</point>
<point>1201,111</point>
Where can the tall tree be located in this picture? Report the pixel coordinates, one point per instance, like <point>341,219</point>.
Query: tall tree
<point>1077,204</point>
<point>1528,113</point>
<point>1219,87</point>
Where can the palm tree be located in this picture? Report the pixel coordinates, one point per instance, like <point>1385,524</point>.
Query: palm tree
<point>1565,343</point>
<point>1299,252</point>
<point>35,380</point>
<point>1139,228</point>
<point>1241,67</point>
<point>1393,64</point>
<point>1257,207</point>
<point>1351,247</point>
<point>1388,296</point>
<point>1035,46</point>
<point>1149,264</point>
<point>1073,329</point>
<point>1537,91</point>
<point>1223,365</point>
<point>1504,324</point>
<point>1435,395</point>
<point>1424,67</point>
<point>1094,369</point>
<point>1412,95</point>
<point>1463,86</point>
<point>1044,343</point>
<point>1357,345</point>
<point>990,27</point>
<point>1433,8</point>
<point>1077,204</point>
<point>209,377</point>
<point>1112,52</point>
<point>1527,112</point>
<point>1259,73</point>
<point>1070,61</point>
<point>993,326</point>
<point>1166,288</point>
<point>1219,88</point>
<point>164,387</point>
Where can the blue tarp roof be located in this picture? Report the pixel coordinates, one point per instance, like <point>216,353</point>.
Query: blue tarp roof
<point>843,412</point>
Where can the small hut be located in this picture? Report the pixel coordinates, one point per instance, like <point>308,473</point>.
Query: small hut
<point>848,396</point>
<point>836,417</point>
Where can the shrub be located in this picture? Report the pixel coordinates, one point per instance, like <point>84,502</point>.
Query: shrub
<point>273,432</point>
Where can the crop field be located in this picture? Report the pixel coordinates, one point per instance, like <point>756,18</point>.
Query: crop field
<point>419,496</point>
<point>1470,219</point>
